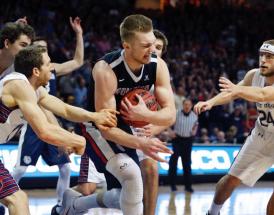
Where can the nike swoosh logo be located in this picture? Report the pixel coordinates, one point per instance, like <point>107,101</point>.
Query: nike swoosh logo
<point>120,80</point>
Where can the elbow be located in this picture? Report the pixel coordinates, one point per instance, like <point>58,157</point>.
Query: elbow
<point>44,134</point>
<point>79,62</point>
<point>171,119</point>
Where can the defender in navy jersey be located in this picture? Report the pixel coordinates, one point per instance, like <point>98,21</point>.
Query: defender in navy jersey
<point>114,75</point>
<point>30,146</point>
<point>257,154</point>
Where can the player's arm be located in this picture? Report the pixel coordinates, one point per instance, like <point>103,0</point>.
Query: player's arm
<point>224,97</point>
<point>105,118</point>
<point>253,94</point>
<point>105,87</point>
<point>50,116</point>
<point>164,95</point>
<point>23,95</point>
<point>78,59</point>
<point>166,116</point>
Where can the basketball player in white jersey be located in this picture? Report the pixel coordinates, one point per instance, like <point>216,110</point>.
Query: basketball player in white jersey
<point>19,100</point>
<point>13,38</point>
<point>257,154</point>
<point>30,146</point>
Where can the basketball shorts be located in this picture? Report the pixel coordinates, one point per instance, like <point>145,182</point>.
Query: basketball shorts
<point>31,147</point>
<point>255,157</point>
<point>101,151</point>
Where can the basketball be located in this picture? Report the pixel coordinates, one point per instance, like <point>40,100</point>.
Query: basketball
<point>149,100</point>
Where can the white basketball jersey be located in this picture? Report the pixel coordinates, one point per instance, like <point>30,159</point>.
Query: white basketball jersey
<point>11,119</point>
<point>265,109</point>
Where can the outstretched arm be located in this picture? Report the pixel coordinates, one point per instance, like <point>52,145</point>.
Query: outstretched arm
<point>23,95</point>
<point>223,97</point>
<point>105,118</point>
<point>78,59</point>
<point>253,94</point>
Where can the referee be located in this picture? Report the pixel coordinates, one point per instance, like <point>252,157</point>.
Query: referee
<point>185,129</point>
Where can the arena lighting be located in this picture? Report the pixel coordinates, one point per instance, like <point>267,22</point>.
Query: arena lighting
<point>206,160</point>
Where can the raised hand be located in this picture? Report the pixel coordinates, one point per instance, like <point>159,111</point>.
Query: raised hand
<point>76,25</point>
<point>22,21</point>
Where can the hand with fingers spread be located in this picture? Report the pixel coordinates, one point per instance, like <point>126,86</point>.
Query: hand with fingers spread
<point>105,118</point>
<point>146,131</point>
<point>76,25</point>
<point>151,147</point>
<point>134,112</point>
<point>227,86</point>
<point>22,21</point>
<point>202,106</point>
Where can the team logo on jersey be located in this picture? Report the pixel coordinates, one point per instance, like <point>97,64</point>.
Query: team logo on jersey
<point>27,159</point>
<point>146,78</point>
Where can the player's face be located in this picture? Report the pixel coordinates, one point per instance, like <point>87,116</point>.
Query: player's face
<point>266,64</point>
<point>141,47</point>
<point>159,44</point>
<point>22,42</point>
<point>45,70</point>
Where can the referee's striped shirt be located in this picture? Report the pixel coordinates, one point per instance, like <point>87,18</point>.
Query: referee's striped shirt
<point>185,123</point>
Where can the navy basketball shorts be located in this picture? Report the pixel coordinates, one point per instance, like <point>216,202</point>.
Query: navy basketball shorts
<point>31,148</point>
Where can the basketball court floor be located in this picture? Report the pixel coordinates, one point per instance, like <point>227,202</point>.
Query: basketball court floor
<point>245,201</point>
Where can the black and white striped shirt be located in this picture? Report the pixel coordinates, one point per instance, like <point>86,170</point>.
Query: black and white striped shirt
<point>185,123</point>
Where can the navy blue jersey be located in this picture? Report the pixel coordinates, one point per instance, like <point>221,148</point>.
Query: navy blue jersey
<point>51,86</point>
<point>126,80</point>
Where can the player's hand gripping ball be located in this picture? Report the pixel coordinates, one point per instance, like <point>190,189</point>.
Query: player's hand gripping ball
<point>149,100</point>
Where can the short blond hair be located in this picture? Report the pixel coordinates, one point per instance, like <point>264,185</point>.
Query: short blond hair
<point>270,42</point>
<point>134,23</point>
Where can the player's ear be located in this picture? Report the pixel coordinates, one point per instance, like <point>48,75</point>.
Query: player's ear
<point>35,72</point>
<point>126,45</point>
<point>6,43</point>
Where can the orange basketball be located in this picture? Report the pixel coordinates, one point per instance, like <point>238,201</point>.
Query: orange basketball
<point>149,100</point>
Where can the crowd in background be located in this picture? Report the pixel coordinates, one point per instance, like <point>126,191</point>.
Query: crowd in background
<point>205,42</point>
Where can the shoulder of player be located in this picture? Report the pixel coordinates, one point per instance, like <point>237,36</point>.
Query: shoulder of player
<point>19,89</point>
<point>102,70</point>
<point>247,81</point>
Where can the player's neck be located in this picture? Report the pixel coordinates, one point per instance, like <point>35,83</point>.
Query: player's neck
<point>134,66</point>
<point>5,61</point>
<point>33,82</point>
<point>269,80</point>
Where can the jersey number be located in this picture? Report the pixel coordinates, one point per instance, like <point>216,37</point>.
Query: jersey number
<point>265,118</point>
